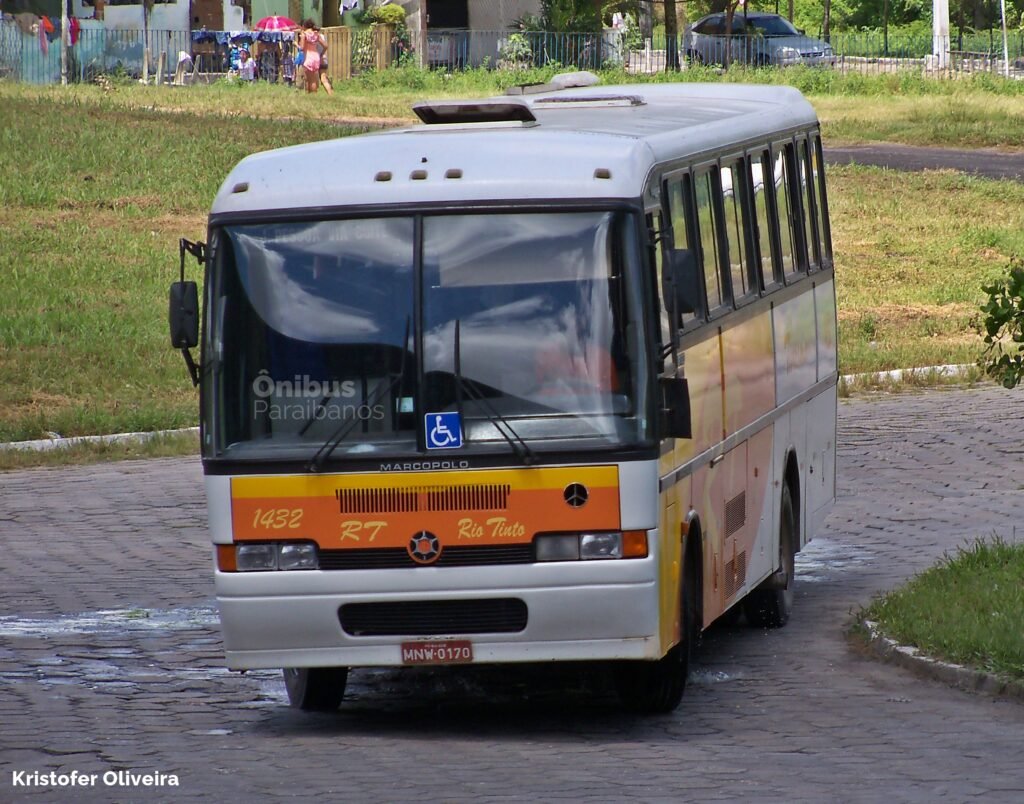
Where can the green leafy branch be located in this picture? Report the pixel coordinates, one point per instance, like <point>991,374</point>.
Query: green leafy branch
<point>1003,327</point>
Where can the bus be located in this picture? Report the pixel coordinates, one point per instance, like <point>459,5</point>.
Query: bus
<point>547,377</point>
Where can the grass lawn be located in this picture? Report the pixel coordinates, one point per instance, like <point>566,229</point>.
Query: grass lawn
<point>968,609</point>
<point>160,445</point>
<point>99,185</point>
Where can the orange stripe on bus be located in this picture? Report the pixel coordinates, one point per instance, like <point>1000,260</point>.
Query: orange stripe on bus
<point>528,508</point>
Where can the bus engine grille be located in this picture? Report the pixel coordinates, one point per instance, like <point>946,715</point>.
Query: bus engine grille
<point>434,617</point>
<point>477,497</point>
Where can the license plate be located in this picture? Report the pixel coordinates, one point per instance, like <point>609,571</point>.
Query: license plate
<point>438,651</point>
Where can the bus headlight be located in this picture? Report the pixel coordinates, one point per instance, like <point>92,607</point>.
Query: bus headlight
<point>270,556</point>
<point>297,556</point>
<point>591,546</point>
<point>557,548</point>
<point>600,545</point>
<point>256,557</point>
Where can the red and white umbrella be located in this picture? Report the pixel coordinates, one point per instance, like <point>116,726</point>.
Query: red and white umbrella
<point>276,23</point>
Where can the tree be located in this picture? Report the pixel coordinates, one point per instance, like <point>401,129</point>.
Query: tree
<point>567,16</point>
<point>147,11</point>
<point>671,36</point>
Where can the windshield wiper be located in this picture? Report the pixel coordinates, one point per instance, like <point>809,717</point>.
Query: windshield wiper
<point>519,447</point>
<point>345,428</point>
<point>316,412</point>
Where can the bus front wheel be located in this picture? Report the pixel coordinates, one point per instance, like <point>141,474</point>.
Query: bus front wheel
<point>315,689</point>
<point>769,605</point>
<point>657,687</point>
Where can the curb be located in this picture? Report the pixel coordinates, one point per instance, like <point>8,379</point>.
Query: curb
<point>46,444</point>
<point>955,675</point>
<point>909,373</point>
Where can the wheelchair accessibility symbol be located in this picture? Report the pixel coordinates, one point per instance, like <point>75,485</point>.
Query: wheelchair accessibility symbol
<point>444,430</point>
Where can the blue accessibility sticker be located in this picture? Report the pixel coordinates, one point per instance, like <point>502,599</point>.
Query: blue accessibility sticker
<point>444,430</point>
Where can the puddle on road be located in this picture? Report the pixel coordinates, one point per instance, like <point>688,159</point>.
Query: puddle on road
<point>110,620</point>
<point>823,559</point>
<point>124,667</point>
<point>705,677</point>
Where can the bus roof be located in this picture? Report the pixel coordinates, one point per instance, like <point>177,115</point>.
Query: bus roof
<point>585,142</point>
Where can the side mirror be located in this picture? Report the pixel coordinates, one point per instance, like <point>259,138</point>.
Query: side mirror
<point>681,282</point>
<point>183,315</point>
<point>675,408</point>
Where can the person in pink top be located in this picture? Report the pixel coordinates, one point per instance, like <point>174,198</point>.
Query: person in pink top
<point>308,41</point>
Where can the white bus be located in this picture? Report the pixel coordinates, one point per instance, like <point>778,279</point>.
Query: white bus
<point>549,377</point>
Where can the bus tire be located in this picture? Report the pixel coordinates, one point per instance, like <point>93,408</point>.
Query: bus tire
<point>657,687</point>
<point>315,689</point>
<point>769,605</point>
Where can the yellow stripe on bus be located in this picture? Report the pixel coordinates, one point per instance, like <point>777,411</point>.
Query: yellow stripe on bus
<point>517,479</point>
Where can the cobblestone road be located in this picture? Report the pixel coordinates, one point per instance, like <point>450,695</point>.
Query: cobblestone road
<point>110,658</point>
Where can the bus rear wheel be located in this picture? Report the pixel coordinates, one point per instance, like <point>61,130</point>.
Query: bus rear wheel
<point>769,605</point>
<point>657,687</point>
<point>315,689</point>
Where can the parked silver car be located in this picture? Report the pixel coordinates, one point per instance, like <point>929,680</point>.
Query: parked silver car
<point>755,38</point>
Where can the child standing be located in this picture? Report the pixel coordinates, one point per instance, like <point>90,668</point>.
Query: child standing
<point>311,38</point>
<point>246,66</point>
<point>288,63</point>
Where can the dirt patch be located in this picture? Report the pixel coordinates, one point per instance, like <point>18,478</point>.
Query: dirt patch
<point>910,312</point>
<point>124,202</point>
<point>176,222</point>
<point>371,123</point>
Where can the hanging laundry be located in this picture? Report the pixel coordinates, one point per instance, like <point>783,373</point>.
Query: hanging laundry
<point>27,22</point>
<point>52,29</point>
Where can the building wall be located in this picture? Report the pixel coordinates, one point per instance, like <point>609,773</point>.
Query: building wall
<point>164,16</point>
<point>484,15</point>
<point>497,15</point>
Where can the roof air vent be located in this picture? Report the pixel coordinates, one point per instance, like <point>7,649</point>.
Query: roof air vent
<point>565,101</point>
<point>460,112</point>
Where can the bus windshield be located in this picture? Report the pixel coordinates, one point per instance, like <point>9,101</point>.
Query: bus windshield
<point>357,330</point>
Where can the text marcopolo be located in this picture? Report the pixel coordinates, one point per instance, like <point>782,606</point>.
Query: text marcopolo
<point>111,778</point>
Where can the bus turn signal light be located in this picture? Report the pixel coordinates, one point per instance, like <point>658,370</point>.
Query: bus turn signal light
<point>634,544</point>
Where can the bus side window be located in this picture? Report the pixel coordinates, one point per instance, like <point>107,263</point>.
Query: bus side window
<point>785,209</point>
<point>760,169</point>
<point>702,217</point>
<point>736,205</point>
<point>679,190</point>
<point>809,219</point>
<point>818,175</point>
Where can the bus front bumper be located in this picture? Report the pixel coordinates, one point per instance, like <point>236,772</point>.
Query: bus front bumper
<point>574,613</point>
